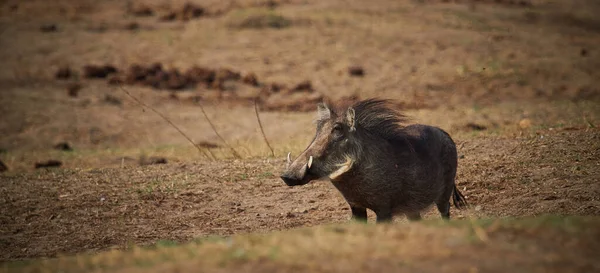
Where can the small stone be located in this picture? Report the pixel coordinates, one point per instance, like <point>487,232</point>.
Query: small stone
<point>525,123</point>
<point>48,164</point>
<point>475,127</point>
<point>356,71</point>
<point>73,89</point>
<point>98,71</point>
<point>110,99</point>
<point>3,167</point>
<point>63,72</point>
<point>48,28</point>
<point>303,86</point>
<point>250,79</point>
<point>63,146</point>
<point>132,26</point>
<point>153,160</point>
<point>141,10</point>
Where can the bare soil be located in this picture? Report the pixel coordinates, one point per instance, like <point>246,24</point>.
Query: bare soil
<point>514,82</point>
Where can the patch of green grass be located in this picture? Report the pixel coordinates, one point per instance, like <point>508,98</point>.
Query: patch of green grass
<point>333,243</point>
<point>461,19</point>
<point>165,243</point>
<point>258,19</point>
<point>565,223</point>
<point>265,175</point>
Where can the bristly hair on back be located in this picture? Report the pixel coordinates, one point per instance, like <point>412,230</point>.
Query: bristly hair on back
<point>380,117</point>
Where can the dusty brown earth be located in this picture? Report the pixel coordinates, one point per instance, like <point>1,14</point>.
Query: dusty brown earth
<point>514,82</point>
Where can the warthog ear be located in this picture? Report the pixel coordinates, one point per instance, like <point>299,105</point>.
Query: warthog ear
<point>323,111</point>
<point>350,118</point>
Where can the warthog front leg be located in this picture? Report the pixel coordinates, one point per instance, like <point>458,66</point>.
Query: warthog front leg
<point>384,215</point>
<point>414,216</point>
<point>359,214</point>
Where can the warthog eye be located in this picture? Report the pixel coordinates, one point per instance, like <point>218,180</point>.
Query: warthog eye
<point>337,132</point>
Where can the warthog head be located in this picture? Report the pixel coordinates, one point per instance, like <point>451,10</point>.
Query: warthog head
<point>331,153</point>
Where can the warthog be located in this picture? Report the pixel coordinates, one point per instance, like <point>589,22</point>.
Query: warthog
<point>378,164</point>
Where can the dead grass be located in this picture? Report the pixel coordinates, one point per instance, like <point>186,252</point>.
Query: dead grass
<point>549,172</point>
<point>382,247</point>
<point>257,19</point>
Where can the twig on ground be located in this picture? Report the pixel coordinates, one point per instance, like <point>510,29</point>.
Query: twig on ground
<point>261,129</point>
<point>212,156</point>
<point>233,151</point>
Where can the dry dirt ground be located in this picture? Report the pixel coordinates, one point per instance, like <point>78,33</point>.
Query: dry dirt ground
<point>514,82</point>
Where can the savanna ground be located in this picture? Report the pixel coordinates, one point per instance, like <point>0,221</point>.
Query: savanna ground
<point>516,83</point>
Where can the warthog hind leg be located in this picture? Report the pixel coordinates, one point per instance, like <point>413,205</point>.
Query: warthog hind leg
<point>359,214</point>
<point>414,216</point>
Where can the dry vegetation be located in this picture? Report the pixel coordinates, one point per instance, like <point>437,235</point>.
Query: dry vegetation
<point>514,82</point>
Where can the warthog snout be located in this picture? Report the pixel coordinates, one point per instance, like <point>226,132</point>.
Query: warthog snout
<point>297,172</point>
<point>331,152</point>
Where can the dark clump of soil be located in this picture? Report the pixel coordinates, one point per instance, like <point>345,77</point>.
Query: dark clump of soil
<point>274,88</point>
<point>63,72</point>
<point>98,71</point>
<point>138,73</point>
<point>73,89</point>
<point>475,126</point>
<point>272,96</point>
<point>48,28</point>
<point>132,26</point>
<point>199,74</point>
<point>3,167</point>
<point>208,145</point>
<point>167,16</point>
<point>63,146</point>
<point>153,160</point>
<point>305,86</point>
<point>250,79</point>
<point>271,4</point>
<point>356,71</point>
<point>48,164</point>
<point>110,99</point>
<point>175,80</point>
<point>115,79</point>
<point>139,9</point>
<point>190,11</point>
<point>187,12</point>
<point>154,76</point>
<point>222,75</point>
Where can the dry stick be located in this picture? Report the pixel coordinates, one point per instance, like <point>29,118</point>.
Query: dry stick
<point>261,129</point>
<point>171,123</point>
<point>590,125</point>
<point>233,151</point>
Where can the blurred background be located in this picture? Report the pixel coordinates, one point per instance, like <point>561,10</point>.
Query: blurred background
<point>66,63</point>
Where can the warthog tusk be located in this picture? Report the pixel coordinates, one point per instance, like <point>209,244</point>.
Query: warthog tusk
<point>309,162</point>
<point>344,167</point>
<point>289,160</point>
